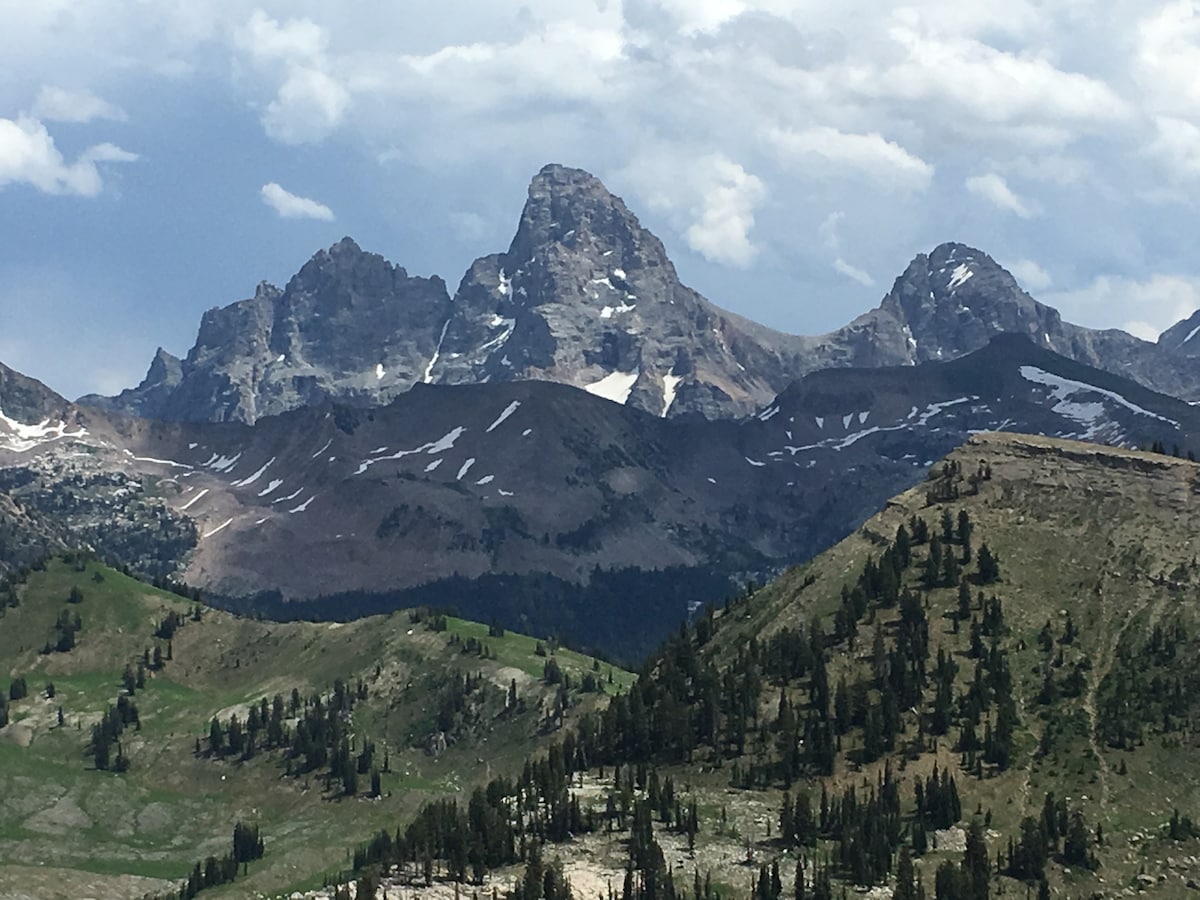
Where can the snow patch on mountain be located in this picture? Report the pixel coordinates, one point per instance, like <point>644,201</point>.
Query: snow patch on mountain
<point>220,527</point>
<point>961,274</point>
<point>188,505</point>
<point>24,437</point>
<point>441,445</point>
<point>508,411</point>
<point>1086,413</point>
<point>271,485</point>
<point>246,482</point>
<point>616,386</point>
<point>223,463</point>
<point>437,352</point>
<point>670,385</point>
<point>292,496</point>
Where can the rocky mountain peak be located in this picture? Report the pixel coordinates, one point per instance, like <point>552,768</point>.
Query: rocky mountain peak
<point>571,212</point>
<point>165,369</point>
<point>587,296</point>
<point>951,301</point>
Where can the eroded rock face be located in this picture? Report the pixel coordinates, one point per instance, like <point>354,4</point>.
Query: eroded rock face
<point>586,296</point>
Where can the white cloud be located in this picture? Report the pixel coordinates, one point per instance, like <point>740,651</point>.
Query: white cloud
<point>28,155</point>
<point>1143,330</point>
<point>711,199</point>
<point>293,41</point>
<point>1031,275</point>
<point>994,189</point>
<point>828,230</point>
<point>1168,57</point>
<point>310,102</point>
<point>853,272</point>
<point>291,206</point>
<point>1141,307</point>
<point>989,85</point>
<point>309,106</point>
<point>884,161</point>
<point>725,215</point>
<point>56,104</point>
<point>1176,145</point>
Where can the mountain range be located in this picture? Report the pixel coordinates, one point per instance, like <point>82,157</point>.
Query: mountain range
<point>586,296</point>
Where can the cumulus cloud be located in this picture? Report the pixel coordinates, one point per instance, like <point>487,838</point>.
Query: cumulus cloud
<point>268,40</point>
<point>1176,146</point>
<point>292,206</point>
<point>1031,275</point>
<point>1168,57</point>
<point>28,155</point>
<point>56,104</point>
<point>725,213</point>
<point>994,189</point>
<point>872,155</point>
<point>987,84</point>
<point>307,108</point>
<point>309,102</point>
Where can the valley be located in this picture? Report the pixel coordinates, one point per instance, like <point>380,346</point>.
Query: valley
<point>66,823</point>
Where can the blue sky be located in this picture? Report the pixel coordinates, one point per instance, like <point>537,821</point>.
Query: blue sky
<point>157,159</point>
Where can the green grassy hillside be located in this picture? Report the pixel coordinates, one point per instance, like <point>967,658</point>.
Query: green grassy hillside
<point>68,829</point>
<point>1099,636</point>
<point>990,688</point>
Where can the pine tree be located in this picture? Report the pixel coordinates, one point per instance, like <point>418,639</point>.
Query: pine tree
<point>989,565</point>
<point>906,884</point>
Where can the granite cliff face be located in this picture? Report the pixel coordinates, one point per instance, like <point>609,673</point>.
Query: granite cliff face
<point>586,296</point>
